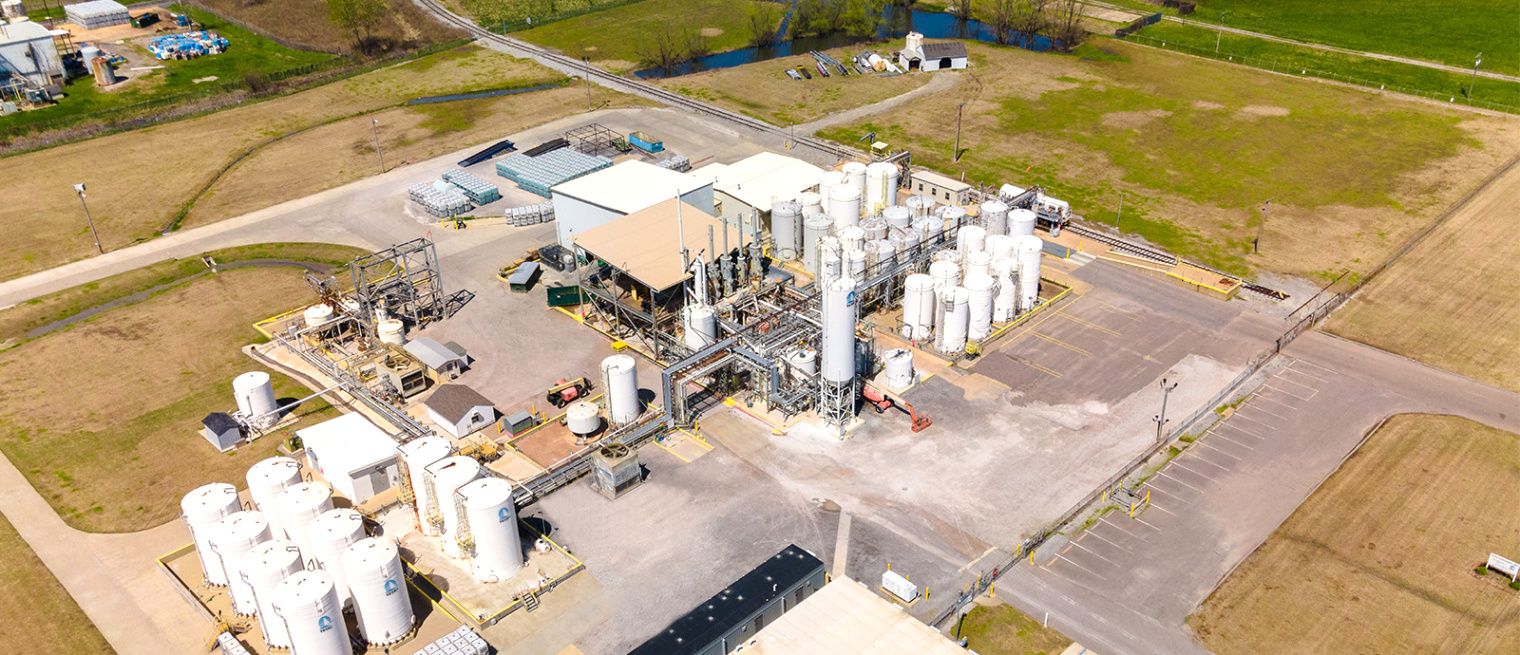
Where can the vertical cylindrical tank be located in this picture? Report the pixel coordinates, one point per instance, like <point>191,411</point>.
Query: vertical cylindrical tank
<point>952,256</point>
<point>307,603</point>
<point>266,480</point>
<point>999,245</point>
<point>826,184</point>
<point>875,227</point>
<point>881,186</point>
<point>1021,222</point>
<point>994,218</point>
<point>699,325</point>
<point>299,506</point>
<point>838,340</point>
<point>263,568</point>
<point>929,227</point>
<point>979,305</point>
<point>786,229</point>
<point>620,380</point>
<point>853,237</point>
<point>201,509</point>
<point>953,216</point>
<point>844,206</point>
<point>855,176</point>
<point>918,306</point>
<point>905,241</point>
<point>971,238</point>
<point>897,368</point>
<point>255,398</point>
<point>316,316</point>
<point>391,331</point>
<point>382,605</point>
<point>830,259</point>
<point>1028,249</point>
<point>921,206</point>
<point>583,418</point>
<point>420,454</point>
<point>449,474</point>
<point>977,263</point>
<point>1005,300</point>
<point>880,252</point>
<point>953,303</point>
<point>804,363</point>
<point>815,227</point>
<point>331,534</point>
<point>810,203</point>
<point>856,260</point>
<point>231,539</point>
<point>493,522</point>
<point>897,216</point>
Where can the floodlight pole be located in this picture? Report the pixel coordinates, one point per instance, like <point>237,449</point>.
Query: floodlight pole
<point>1161,419</point>
<point>374,125</point>
<point>1220,36</point>
<point>958,110</point>
<point>587,60</point>
<point>1121,210</point>
<point>1256,245</point>
<point>79,188</point>
<point>1474,81</point>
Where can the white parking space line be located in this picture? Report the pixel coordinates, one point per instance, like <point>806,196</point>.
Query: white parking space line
<point>1220,436</point>
<point>1253,420</point>
<point>1154,505</point>
<point>1094,553</point>
<point>1083,568</point>
<point>1172,495</point>
<point>1094,534</point>
<point>1179,465</point>
<point>1249,433</point>
<point>1204,443</point>
<point>1285,393</point>
<point>1200,458</point>
<point>1173,479</point>
<point>1116,527</point>
<point>1275,401</point>
<point>1312,390</point>
<point>1257,408</point>
<point>1140,520</point>
<point>1299,362</point>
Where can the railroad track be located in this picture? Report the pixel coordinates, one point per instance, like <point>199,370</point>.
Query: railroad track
<point>1169,259</point>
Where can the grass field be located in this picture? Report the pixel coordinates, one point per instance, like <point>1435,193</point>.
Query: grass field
<point>104,417</point>
<point>1452,301</point>
<point>764,91</point>
<point>40,616</point>
<point>614,35</point>
<point>1380,559</point>
<point>1196,146</point>
<point>405,25</point>
<point>1003,630</point>
<point>139,181</point>
<point>1291,58</point>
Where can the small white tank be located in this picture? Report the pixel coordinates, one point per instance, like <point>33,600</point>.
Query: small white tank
<point>449,474</point>
<point>855,176</point>
<point>946,274</point>
<point>875,227</point>
<point>830,259</point>
<point>804,363</point>
<point>971,238</point>
<point>493,522</point>
<point>231,538</point>
<point>979,304</point>
<point>953,216</point>
<point>921,205</point>
<point>382,605</point>
<point>880,252</point>
<point>299,506</point>
<point>857,263</point>
<point>266,480</point>
<point>255,398</point>
<point>844,206</point>
<point>1021,222</point>
<point>1000,245</point>
<point>420,454</point>
<point>318,315</point>
<point>1029,249</point>
<point>700,326</point>
<point>331,534</point>
<point>1005,301</point>
<point>307,603</point>
<point>898,216</point>
<point>583,418</point>
<point>918,306</point>
<point>786,229</point>
<point>620,380</point>
<point>905,241</point>
<point>928,227</point>
<point>852,238</point>
<point>994,217</point>
<point>952,339</point>
<point>977,263</point>
<point>201,509</point>
<point>826,184</point>
<point>897,368</point>
<point>263,568</point>
<point>811,203</point>
<point>814,228</point>
<point>392,331</point>
<point>881,186</point>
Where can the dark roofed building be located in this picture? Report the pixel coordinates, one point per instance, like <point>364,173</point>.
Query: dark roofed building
<point>221,430</point>
<point>459,409</point>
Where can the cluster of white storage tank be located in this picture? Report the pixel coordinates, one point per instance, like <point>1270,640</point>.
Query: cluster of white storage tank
<point>468,503</point>
<point>296,563</point>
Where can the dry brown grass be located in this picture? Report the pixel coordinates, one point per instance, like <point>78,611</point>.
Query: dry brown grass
<point>764,91</point>
<point>104,418</point>
<point>40,616</point>
<point>306,22</point>
<point>1380,559</point>
<point>138,181</point>
<point>1453,301</point>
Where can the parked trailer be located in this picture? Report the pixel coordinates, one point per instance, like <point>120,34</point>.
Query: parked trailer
<point>645,142</point>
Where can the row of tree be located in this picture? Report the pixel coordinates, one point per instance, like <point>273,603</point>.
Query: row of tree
<point>1061,20</point>
<point>667,46</point>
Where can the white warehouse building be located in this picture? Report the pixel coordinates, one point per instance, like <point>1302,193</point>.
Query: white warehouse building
<point>598,198</point>
<point>27,50</point>
<point>357,458</point>
<point>752,184</point>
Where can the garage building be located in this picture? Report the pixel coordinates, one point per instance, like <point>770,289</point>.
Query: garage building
<point>584,203</point>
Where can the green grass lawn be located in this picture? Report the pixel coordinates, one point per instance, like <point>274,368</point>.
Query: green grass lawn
<point>617,33</point>
<point>40,616</point>
<point>1003,630</point>
<point>1287,57</point>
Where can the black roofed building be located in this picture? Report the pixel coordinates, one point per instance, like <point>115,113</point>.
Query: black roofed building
<point>221,430</point>
<point>929,57</point>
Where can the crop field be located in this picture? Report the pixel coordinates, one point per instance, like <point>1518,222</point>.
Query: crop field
<point>614,37</point>
<point>1382,558</point>
<point>1452,300</point>
<point>140,181</point>
<point>1197,146</point>
<point>1002,630</point>
<point>103,417</point>
<point>762,90</point>
<point>306,22</point>
<point>40,616</point>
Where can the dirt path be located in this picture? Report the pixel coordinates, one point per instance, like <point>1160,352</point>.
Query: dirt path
<point>941,82</point>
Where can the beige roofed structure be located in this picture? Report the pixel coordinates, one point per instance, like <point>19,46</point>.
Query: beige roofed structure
<point>645,244</point>
<point>846,618</point>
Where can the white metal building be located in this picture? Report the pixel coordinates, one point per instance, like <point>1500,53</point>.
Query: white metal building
<point>357,458</point>
<point>27,50</point>
<point>752,184</point>
<point>929,57</point>
<point>948,191</point>
<point>96,14</point>
<point>595,199</point>
<point>459,410</point>
<point>438,358</point>
<point>846,618</point>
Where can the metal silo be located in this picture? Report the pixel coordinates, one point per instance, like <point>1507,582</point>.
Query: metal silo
<point>307,603</point>
<point>331,534</point>
<point>263,568</point>
<point>231,538</point>
<point>418,455</point>
<point>620,381</point>
<point>201,509</point>
<point>299,505</point>
<point>266,480</point>
<point>493,522</point>
<point>382,605</point>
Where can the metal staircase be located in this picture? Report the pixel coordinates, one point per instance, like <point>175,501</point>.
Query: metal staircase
<point>462,535</point>
<point>431,513</point>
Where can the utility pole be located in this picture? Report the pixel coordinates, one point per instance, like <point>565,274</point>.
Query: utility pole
<point>587,60</point>
<point>1121,210</point>
<point>1474,81</point>
<point>1220,36</point>
<point>1256,245</point>
<point>374,125</point>
<point>79,188</point>
<point>958,110</point>
<point>1161,419</point>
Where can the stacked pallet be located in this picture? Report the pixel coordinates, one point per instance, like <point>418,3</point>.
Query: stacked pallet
<point>539,174</point>
<point>531,215</point>
<point>477,190</point>
<point>443,203</point>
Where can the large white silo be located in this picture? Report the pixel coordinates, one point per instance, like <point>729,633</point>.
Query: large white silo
<point>875,227</point>
<point>830,259</point>
<point>201,509</point>
<point>299,505</point>
<point>230,539</point>
<point>493,522</point>
<point>418,455</point>
<point>978,263</point>
<point>331,534</point>
<point>811,203</point>
<point>855,263</point>
<point>979,287</point>
<point>262,569</point>
<point>1021,222</point>
<point>382,606</point>
<point>620,380</point>
<point>852,238</point>
<point>786,229</point>
<point>255,398</point>
<point>826,184</point>
<point>897,216</point>
<point>994,217</point>
<point>946,274</point>
<point>844,206</point>
<point>266,480</point>
<point>921,206</point>
<point>881,186</point>
<point>970,238</point>
<point>1028,252</point>
<point>953,216</point>
<point>918,306</point>
<point>1005,300</point>
<point>1000,245</point>
<point>814,228</point>
<point>449,474</point>
<point>699,324</point>
<point>951,338</point>
<point>307,604</point>
<point>838,339</point>
<point>855,176</point>
<point>929,227</point>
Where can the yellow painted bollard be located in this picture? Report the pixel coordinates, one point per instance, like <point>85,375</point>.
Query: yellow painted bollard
<point>1147,496</point>
<point>1031,557</point>
<point>992,590</point>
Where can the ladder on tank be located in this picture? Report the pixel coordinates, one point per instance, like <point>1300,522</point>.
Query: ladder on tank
<point>431,513</point>
<point>462,535</point>
<point>404,492</point>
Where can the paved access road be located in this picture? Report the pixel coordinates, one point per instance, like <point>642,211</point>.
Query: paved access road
<point>1127,585</point>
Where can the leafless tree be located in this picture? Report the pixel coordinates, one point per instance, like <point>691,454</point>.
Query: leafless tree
<point>662,47</point>
<point>764,24</point>
<point>1001,17</point>
<point>697,43</point>
<point>961,9</point>
<point>1066,24</point>
<point>1030,19</point>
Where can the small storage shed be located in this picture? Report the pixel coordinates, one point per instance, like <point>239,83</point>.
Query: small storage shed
<point>930,57</point>
<point>443,363</point>
<point>219,429</point>
<point>357,458</point>
<point>459,410</point>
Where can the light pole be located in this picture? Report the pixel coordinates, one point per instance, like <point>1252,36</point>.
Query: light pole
<point>958,110</point>
<point>374,125</point>
<point>1161,419</point>
<point>1220,36</point>
<point>1121,210</point>
<point>1256,245</point>
<point>587,60</point>
<point>79,188</point>
<point>1474,81</point>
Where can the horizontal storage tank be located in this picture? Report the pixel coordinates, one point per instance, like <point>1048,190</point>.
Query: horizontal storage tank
<point>493,522</point>
<point>620,381</point>
<point>918,306</point>
<point>855,176</point>
<point>971,238</point>
<point>318,315</point>
<point>331,534</point>
<point>897,368</point>
<point>449,474</point>
<point>786,229</point>
<point>231,539</point>
<point>977,263</point>
<point>201,509</point>
<point>897,216</point>
<point>804,363</point>
<point>826,184</point>
<point>266,480</point>
<point>583,418</point>
<point>953,301</point>
<point>921,206</point>
<point>838,339</point>
<point>299,506</point>
<point>391,331</point>
<point>307,603</point>
<point>979,287</point>
<point>815,227</point>
<point>994,217</point>
<point>699,324</point>
<point>1029,248</point>
<point>382,605</point>
<point>811,203</point>
<point>1005,300</point>
<point>881,186</point>
<point>263,568</point>
<point>255,398</point>
<point>1000,246</point>
<point>1021,222</point>
<point>844,206</point>
<point>420,454</point>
